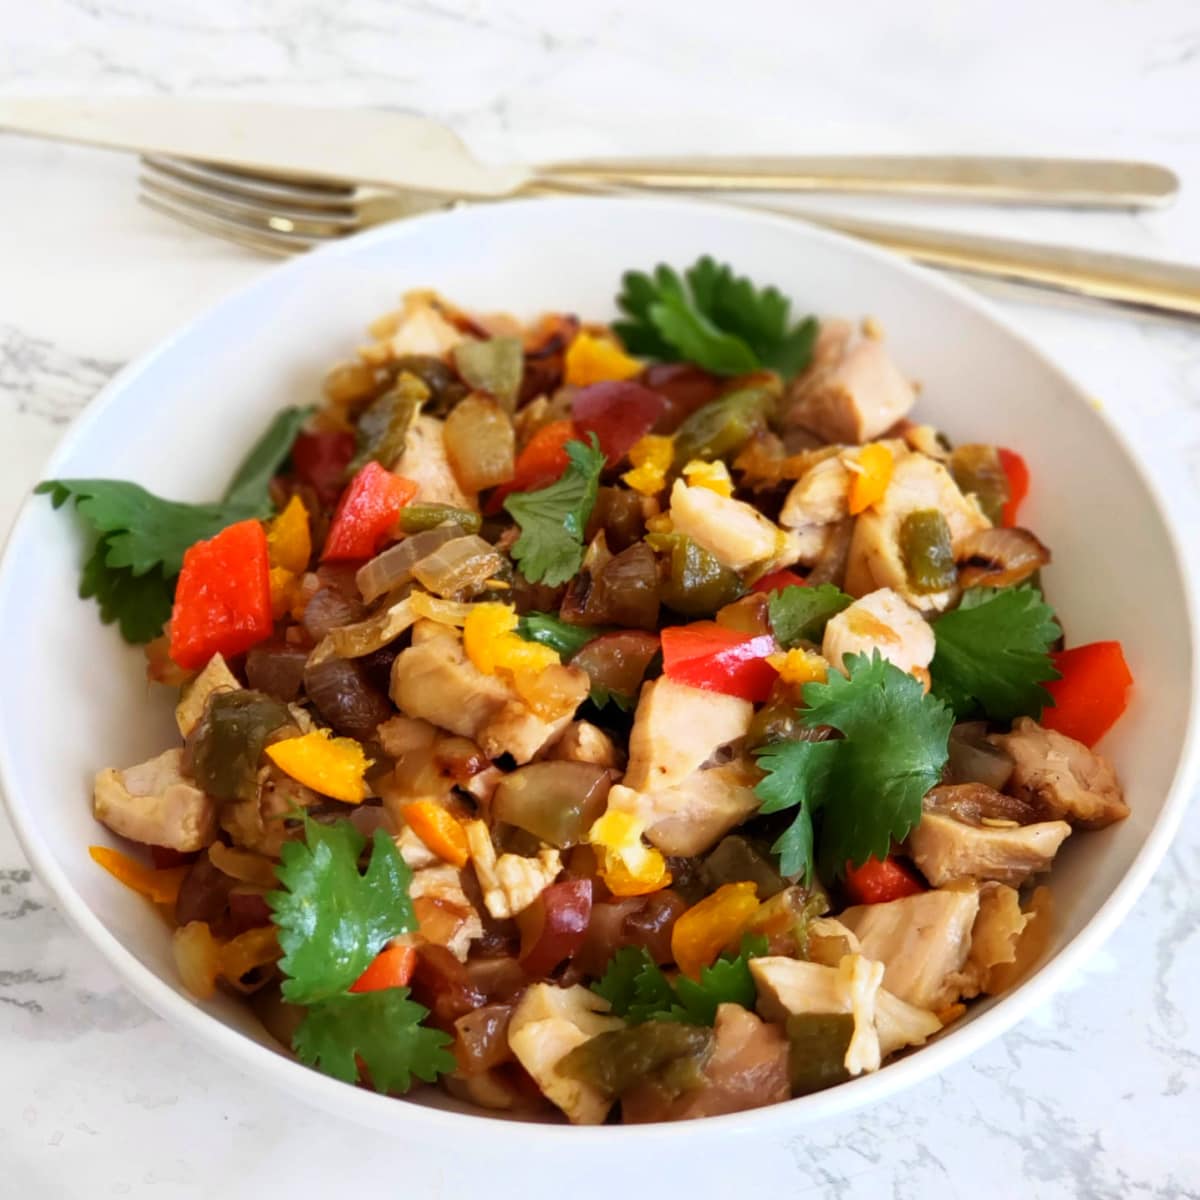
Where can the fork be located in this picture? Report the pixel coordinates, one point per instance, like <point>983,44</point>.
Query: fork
<point>282,216</point>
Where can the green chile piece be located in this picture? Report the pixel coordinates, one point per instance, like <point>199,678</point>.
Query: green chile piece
<point>383,428</point>
<point>927,552</point>
<point>817,1050</point>
<point>613,1062</point>
<point>725,425</point>
<point>976,468</point>
<point>417,518</point>
<point>227,744</point>
<point>697,583</point>
<point>495,366</point>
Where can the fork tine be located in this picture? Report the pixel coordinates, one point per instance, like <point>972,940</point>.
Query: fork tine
<point>309,223</point>
<point>265,189</point>
<point>263,240</point>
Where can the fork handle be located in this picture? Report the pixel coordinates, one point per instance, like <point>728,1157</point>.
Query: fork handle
<point>1092,183</point>
<point>1142,283</point>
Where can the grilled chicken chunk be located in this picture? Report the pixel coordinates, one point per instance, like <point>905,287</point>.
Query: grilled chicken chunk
<point>881,621</point>
<point>734,532</point>
<point>820,496</point>
<point>852,392</point>
<point>587,743</point>
<point>923,942</point>
<point>994,937</point>
<point>434,680</point>
<point>153,803</point>
<point>946,849</point>
<point>1062,776</point>
<point>424,461</point>
<point>546,1026</point>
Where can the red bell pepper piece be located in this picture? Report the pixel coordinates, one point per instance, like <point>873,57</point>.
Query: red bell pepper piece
<point>366,513</point>
<point>320,460</point>
<point>1017,474</point>
<point>542,461</point>
<point>223,597</point>
<point>618,413</point>
<point>706,655</point>
<point>776,581</point>
<point>1092,693</point>
<point>392,967</point>
<point>879,880</point>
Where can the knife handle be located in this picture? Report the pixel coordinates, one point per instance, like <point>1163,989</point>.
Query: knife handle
<point>1090,183</point>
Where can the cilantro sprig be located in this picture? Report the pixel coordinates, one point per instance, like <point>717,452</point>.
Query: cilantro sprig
<point>565,639</point>
<point>332,919</point>
<point>142,538</point>
<point>993,653</point>
<point>714,318</point>
<point>637,989</point>
<point>552,519</point>
<point>800,613</point>
<point>868,784</point>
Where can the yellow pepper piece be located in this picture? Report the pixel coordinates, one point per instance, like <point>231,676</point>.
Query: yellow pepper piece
<point>872,472</point>
<point>492,643</point>
<point>285,588</point>
<point>160,885</point>
<point>627,865</point>
<point>333,766</point>
<point>597,360</point>
<point>651,457</point>
<point>289,538</point>
<point>799,666</point>
<point>702,932</point>
<point>712,475</point>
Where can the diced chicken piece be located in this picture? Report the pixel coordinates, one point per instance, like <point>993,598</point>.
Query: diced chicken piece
<point>901,1024</point>
<point>875,560</point>
<point>424,461</point>
<point>924,439</point>
<point>946,849</point>
<point>820,496</point>
<point>435,681</point>
<point>216,677</point>
<point>693,817</point>
<point>545,1027</point>
<point>807,546</point>
<point>852,392</point>
<point>734,532</point>
<point>587,743</point>
<point>677,728</point>
<point>748,1069</point>
<point>444,914</point>
<point>922,941</point>
<point>510,883</point>
<point>153,803</point>
<point>994,936</point>
<point>258,823</point>
<point>420,328</point>
<point>1062,776</point>
<point>882,621</point>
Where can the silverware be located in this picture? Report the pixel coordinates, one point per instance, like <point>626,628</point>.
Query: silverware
<point>396,150</point>
<point>289,216</point>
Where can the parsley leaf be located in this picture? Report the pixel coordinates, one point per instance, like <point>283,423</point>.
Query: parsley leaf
<point>637,989</point>
<point>332,919</point>
<point>384,1029</point>
<point>142,538</point>
<point>799,613</point>
<point>868,784</point>
<point>566,639</point>
<point>552,519</point>
<point>993,653</point>
<point>714,318</point>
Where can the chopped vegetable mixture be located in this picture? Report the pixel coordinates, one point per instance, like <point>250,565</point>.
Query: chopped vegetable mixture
<point>625,723</point>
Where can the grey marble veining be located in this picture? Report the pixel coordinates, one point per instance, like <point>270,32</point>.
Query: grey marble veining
<point>1096,1094</point>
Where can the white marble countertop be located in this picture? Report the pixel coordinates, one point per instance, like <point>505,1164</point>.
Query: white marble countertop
<point>1094,1097</point>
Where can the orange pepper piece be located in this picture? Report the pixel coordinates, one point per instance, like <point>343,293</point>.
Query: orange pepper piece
<point>440,830</point>
<point>289,538</point>
<point>333,766</point>
<point>597,360</point>
<point>701,933</point>
<point>158,884</point>
<point>870,483</point>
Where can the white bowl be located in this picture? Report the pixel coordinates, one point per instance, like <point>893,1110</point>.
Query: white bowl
<point>74,697</point>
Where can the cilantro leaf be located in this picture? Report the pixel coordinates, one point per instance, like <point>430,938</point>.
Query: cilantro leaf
<point>566,639</point>
<point>727,981</point>
<point>332,919</point>
<point>797,776</point>
<point>552,519</point>
<point>993,653</point>
<point>616,985</point>
<point>799,613</point>
<point>714,318</point>
<point>869,783</point>
<point>142,538</point>
<point>384,1029</point>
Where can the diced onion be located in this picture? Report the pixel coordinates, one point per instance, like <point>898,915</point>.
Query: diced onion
<point>480,443</point>
<point>394,567</point>
<point>197,958</point>
<point>444,612</point>
<point>459,567</point>
<point>365,637</point>
<point>241,864</point>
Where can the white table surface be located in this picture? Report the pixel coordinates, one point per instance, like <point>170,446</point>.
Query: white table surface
<point>1098,1095</point>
